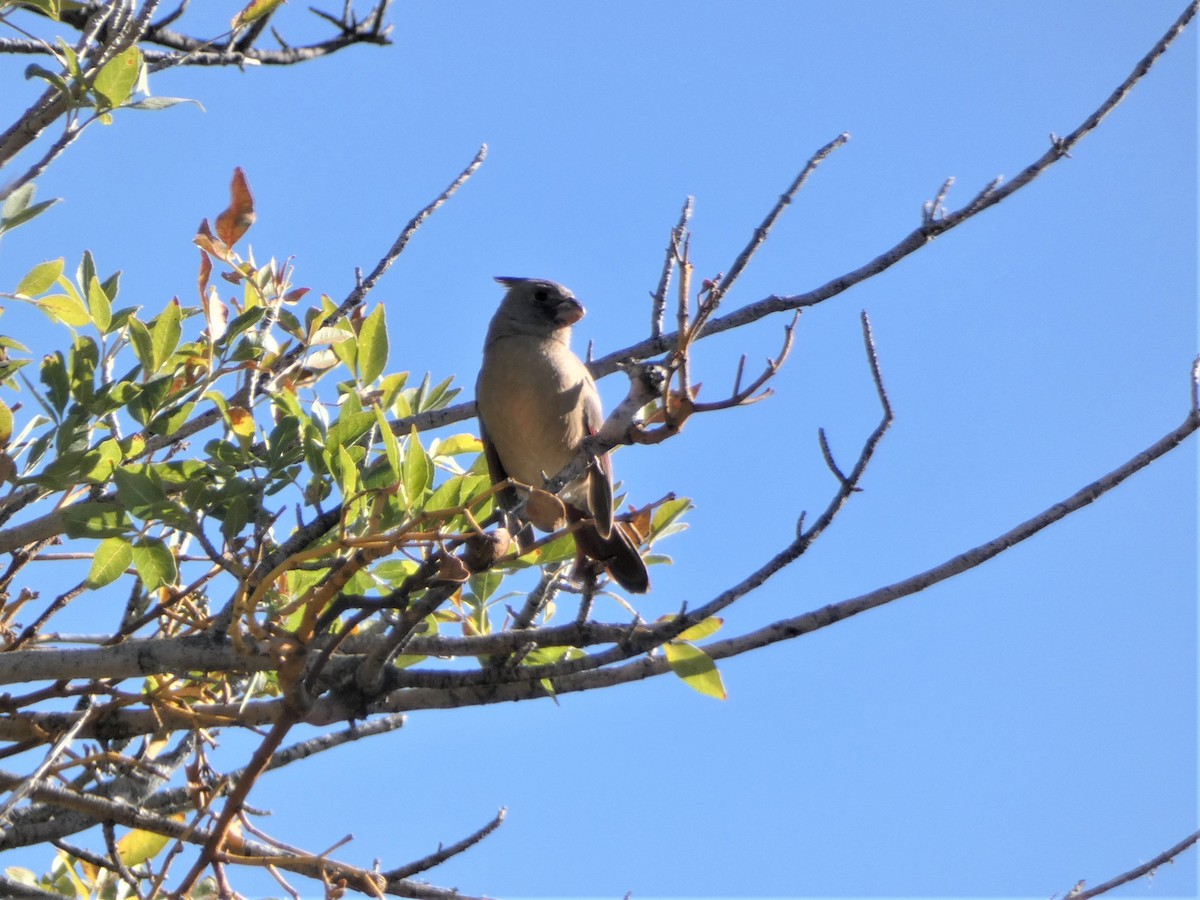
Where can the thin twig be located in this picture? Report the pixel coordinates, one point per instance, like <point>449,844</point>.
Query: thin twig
<point>1146,868</point>
<point>764,228</point>
<point>658,307</point>
<point>444,853</point>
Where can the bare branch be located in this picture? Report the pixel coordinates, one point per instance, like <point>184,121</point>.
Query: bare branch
<point>761,232</point>
<point>812,621</point>
<point>444,853</point>
<point>360,292</point>
<point>658,307</point>
<point>1146,868</point>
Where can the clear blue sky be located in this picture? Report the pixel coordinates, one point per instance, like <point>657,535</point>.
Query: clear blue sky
<point>1007,733</point>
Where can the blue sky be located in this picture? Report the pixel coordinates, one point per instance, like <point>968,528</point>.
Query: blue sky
<point>1025,725</point>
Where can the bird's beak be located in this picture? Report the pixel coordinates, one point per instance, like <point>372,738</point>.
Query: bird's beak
<point>569,312</point>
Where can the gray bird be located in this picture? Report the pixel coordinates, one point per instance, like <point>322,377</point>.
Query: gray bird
<point>536,403</point>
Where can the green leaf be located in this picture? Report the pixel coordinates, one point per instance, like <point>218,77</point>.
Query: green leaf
<point>113,557</point>
<point>155,103</point>
<point>236,515</point>
<point>18,201</point>
<point>240,323</point>
<point>100,304</point>
<point>114,396</point>
<point>440,394</point>
<point>372,346</point>
<point>112,286</point>
<point>696,668</point>
<point>484,584</point>
<point>667,514</point>
<point>143,344</point>
<point>87,269</point>
<point>347,472</point>
<point>40,278</point>
<point>558,550</point>
<point>6,423</point>
<point>66,309</point>
<point>68,54</point>
<point>58,386</point>
<point>165,333</point>
<point>19,208</point>
<point>138,492</point>
<point>154,563</point>
<point>170,421</point>
<point>34,70</point>
<point>99,464</point>
<point>349,427</point>
<point>115,81</point>
<point>96,519</point>
<point>82,362</point>
<point>346,349</point>
<point>49,8</point>
<point>391,446</point>
<point>418,471</point>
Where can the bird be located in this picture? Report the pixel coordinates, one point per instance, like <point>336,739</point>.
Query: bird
<point>536,403</point>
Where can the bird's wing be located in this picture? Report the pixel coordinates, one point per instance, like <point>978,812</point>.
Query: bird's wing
<point>599,472</point>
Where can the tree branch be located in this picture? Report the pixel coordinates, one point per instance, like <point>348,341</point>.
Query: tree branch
<point>1133,874</point>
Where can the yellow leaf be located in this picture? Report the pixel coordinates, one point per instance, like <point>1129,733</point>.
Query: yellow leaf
<point>696,669</point>
<point>457,444</point>
<point>255,9</point>
<point>138,846</point>
<point>241,421</point>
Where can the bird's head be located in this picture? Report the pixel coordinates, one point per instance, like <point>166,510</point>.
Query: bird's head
<point>536,306</point>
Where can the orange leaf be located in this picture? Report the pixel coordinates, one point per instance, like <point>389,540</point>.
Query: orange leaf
<point>206,241</point>
<point>639,521</point>
<point>238,218</point>
<point>205,272</point>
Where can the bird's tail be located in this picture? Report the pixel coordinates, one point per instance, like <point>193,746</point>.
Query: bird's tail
<point>618,554</point>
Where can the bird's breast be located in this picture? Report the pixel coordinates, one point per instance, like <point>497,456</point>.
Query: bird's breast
<point>531,397</point>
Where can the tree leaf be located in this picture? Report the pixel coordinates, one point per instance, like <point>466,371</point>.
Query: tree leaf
<point>391,446</point>
<point>100,305</point>
<point>237,219</point>
<point>255,9</point>
<point>694,666</point>
<point>114,82</point>
<point>100,464</point>
<point>138,491</point>
<point>164,336</point>
<point>457,444</point>
<point>66,309</point>
<point>701,630</point>
<point>139,846</point>
<point>58,385</point>
<point>113,557</point>
<point>18,201</point>
<point>48,8</point>
<point>155,103</point>
<point>372,346</point>
<point>26,214</point>
<point>347,472</point>
<point>40,278</point>
<point>418,471</point>
<point>154,563</point>
<point>241,421</point>
<point>143,344</point>
<point>95,519</point>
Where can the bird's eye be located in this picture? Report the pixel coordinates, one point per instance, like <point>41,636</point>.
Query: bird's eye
<point>541,295</point>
